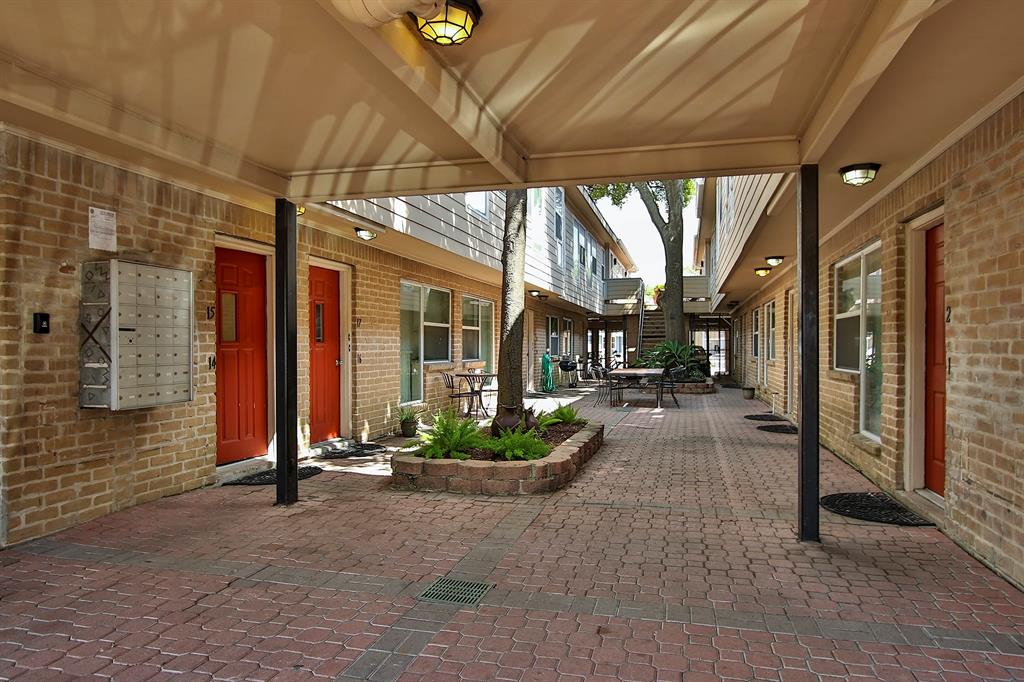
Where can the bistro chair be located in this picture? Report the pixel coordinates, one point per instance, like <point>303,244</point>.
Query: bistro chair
<point>454,393</point>
<point>607,386</point>
<point>670,379</point>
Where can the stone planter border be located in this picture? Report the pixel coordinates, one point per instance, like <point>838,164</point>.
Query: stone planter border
<point>473,477</point>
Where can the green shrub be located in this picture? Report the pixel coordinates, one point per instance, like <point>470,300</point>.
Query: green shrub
<point>567,414</point>
<point>671,354</point>
<point>518,444</point>
<point>546,419</point>
<point>408,414</point>
<point>451,436</point>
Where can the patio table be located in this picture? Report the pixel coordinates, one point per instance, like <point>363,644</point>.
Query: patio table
<point>636,374</point>
<point>477,381</point>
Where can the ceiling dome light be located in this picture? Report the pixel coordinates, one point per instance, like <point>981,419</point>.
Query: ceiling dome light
<point>762,272</point>
<point>365,234</point>
<point>859,173</point>
<point>452,25</point>
<point>774,261</point>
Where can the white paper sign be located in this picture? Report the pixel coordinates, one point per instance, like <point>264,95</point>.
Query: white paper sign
<point>102,229</point>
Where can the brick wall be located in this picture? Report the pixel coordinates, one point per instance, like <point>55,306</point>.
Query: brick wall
<point>62,465</point>
<point>980,183</point>
<point>745,372</point>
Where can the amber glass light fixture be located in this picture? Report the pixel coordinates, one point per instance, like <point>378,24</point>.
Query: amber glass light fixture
<point>453,24</point>
<point>774,261</point>
<point>300,210</point>
<point>859,173</point>
<point>762,272</point>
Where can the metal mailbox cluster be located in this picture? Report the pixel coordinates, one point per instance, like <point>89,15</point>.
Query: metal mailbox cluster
<point>136,327</point>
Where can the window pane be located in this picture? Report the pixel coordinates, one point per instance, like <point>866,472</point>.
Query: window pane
<point>470,312</point>
<point>558,226</point>
<point>409,363</point>
<point>470,344</point>
<point>848,287</point>
<point>438,306</point>
<point>228,313</point>
<point>477,201</point>
<point>435,343</point>
<point>318,322</point>
<point>873,343</point>
<point>848,343</point>
<point>487,334</point>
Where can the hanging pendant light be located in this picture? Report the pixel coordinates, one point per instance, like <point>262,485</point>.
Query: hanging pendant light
<point>453,24</point>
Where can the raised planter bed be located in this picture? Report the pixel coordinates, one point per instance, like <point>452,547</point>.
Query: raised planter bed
<point>475,477</point>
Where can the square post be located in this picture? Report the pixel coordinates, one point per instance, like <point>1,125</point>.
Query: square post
<point>286,400</point>
<point>807,281</point>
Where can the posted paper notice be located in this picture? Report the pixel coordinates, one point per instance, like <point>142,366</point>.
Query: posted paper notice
<point>102,229</point>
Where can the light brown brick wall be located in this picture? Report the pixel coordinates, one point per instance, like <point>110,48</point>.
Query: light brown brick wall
<point>63,465</point>
<point>980,182</point>
<point>745,372</point>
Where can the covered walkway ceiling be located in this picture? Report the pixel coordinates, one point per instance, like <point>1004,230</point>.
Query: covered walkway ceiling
<point>286,98</point>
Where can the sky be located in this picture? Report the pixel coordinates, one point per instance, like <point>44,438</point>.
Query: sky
<point>633,226</point>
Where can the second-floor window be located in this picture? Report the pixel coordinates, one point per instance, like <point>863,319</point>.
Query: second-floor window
<point>477,203</point>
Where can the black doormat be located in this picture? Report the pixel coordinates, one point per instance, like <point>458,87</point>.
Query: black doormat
<point>269,477</point>
<point>764,417</point>
<point>873,506</point>
<point>778,428</point>
<point>355,450</point>
<point>729,385</point>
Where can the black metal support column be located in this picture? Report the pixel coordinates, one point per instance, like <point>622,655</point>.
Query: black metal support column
<point>807,282</point>
<point>286,398</point>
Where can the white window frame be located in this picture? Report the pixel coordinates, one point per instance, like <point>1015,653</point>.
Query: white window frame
<point>557,336</point>
<point>862,312</point>
<point>769,322</point>
<point>755,341</point>
<point>567,327</point>
<point>581,252</point>
<point>479,330</point>
<point>558,224</point>
<point>485,195</point>
<point>424,288</point>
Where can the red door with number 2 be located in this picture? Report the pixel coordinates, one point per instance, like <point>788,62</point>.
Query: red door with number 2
<point>324,355</point>
<point>936,317</point>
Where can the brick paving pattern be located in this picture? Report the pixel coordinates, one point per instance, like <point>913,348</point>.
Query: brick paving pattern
<point>672,556</point>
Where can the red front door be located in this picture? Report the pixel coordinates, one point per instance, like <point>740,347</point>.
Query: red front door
<point>324,355</point>
<point>935,364</point>
<point>241,315</point>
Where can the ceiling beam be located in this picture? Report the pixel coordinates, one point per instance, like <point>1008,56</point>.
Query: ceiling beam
<point>702,159</point>
<point>441,177</point>
<point>404,54</point>
<point>885,30</point>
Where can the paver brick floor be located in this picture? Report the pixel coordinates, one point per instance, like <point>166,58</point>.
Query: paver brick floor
<point>671,556</point>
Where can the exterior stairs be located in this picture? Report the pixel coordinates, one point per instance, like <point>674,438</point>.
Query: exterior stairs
<point>653,331</point>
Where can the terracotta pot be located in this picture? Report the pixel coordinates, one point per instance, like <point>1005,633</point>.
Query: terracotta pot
<point>506,418</point>
<point>748,392</point>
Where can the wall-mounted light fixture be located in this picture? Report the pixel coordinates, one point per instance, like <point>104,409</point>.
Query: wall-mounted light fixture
<point>859,173</point>
<point>774,261</point>
<point>534,293</point>
<point>300,210</point>
<point>365,234</point>
<point>453,24</point>
<point>762,272</point>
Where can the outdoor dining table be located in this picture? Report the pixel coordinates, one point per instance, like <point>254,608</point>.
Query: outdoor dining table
<point>636,374</point>
<point>476,381</point>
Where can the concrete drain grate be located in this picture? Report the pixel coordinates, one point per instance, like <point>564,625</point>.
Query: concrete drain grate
<point>452,591</point>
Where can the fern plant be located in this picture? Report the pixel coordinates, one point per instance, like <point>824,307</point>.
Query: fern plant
<point>451,437</point>
<point>545,420</point>
<point>518,444</point>
<point>567,414</point>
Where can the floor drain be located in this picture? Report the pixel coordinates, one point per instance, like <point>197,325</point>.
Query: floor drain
<point>778,428</point>
<point>764,417</point>
<point>451,591</point>
<point>872,506</point>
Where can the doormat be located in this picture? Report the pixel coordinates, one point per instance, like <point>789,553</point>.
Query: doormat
<point>355,450</point>
<point>873,506</point>
<point>778,428</point>
<point>269,477</point>
<point>729,385</point>
<point>764,417</point>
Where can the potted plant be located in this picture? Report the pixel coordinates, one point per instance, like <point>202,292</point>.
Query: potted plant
<point>408,420</point>
<point>657,293</point>
<point>748,392</point>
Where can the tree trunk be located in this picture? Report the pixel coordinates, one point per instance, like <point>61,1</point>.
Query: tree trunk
<point>513,304</point>
<point>677,327</point>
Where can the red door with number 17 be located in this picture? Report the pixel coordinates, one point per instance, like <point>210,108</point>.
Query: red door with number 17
<point>324,355</point>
